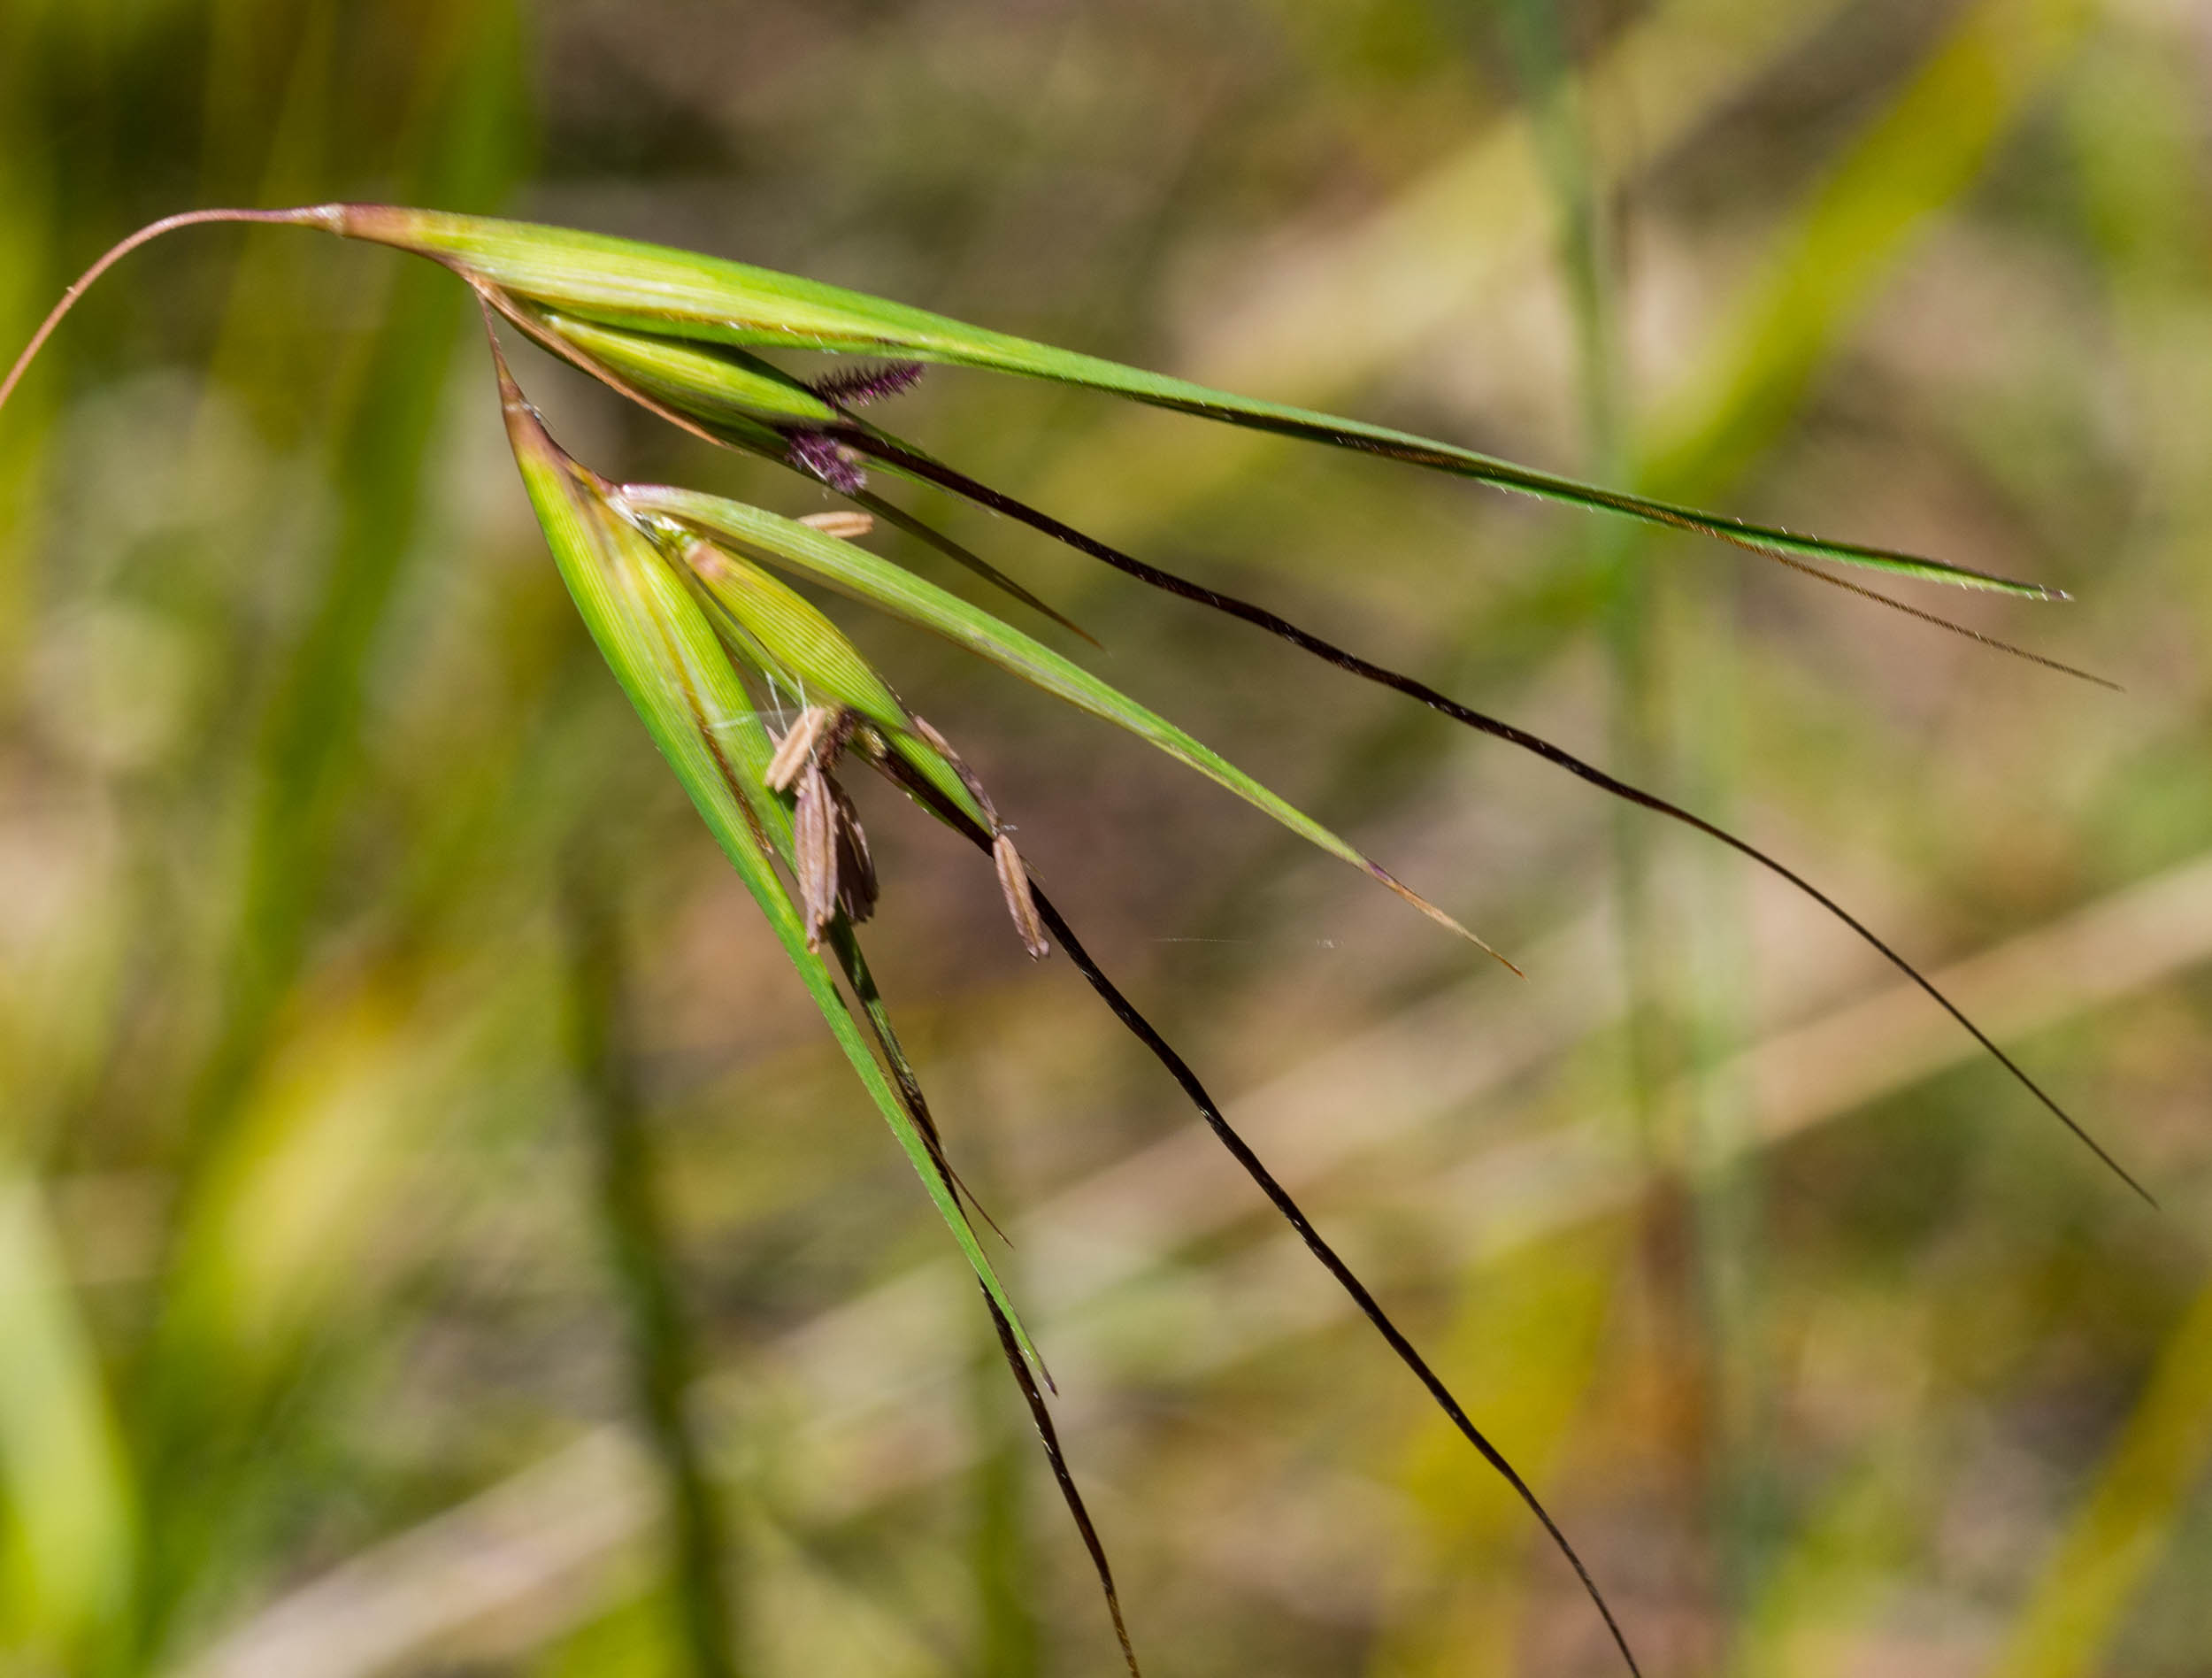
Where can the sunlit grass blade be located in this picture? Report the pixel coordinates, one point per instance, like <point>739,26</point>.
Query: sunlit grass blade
<point>74,1499</point>
<point>899,518</point>
<point>811,659</point>
<point>1134,1020</point>
<point>1275,625</point>
<point>855,571</point>
<point>677,696</point>
<point>727,396</point>
<point>676,293</point>
<point>655,288</point>
<point>664,653</point>
<point>882,449</point>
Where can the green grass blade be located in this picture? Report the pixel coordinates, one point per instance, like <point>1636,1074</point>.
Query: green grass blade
<point>899,518</point>
<point>2136,1508</point>
<point>635,1226</point>
<point>653,288</point>
<point>72,1497</point>
<point>854,571</point>
<point>664,653</point>
<point>719,383</point>
<point>805,653</point>
<point>727,396</point>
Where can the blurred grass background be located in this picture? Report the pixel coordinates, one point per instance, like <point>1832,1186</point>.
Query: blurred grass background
<point>436,1238</point>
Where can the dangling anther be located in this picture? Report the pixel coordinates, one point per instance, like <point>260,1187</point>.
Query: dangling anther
<point>967,776</point>
<point>814,853</point>
<point>1013,882</point>
<point>813,737</point>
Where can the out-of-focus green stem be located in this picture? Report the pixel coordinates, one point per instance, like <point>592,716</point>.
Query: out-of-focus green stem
<point>1559,117</point>
<point>457,141</point>
<point>1009,1640</point>
<point>1660,729</point>
<point>662,1361</point>
<point>28,229</point>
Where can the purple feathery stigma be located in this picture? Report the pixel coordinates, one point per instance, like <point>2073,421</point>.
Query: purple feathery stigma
<point>857,387</point>
<point>817,452</point>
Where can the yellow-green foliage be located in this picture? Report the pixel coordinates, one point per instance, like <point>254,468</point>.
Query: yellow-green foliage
<point>322,1348</point>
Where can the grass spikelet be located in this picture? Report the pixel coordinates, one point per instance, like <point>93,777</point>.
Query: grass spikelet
<point>791,545</point>
<point>665,655</point>
<point>857,887</point>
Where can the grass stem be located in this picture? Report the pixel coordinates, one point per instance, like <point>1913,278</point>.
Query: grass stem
<point>662,1358</point>
<point>115,253</point>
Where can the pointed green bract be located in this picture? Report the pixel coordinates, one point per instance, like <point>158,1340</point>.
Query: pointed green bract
<point>653,288</point>
<point>854,571</point>
<point>739,401</point>
<point>810,657</point>
<point>664,653</point>
<point>718,383</point>
<point>927,534</point>
<point>806,655</point>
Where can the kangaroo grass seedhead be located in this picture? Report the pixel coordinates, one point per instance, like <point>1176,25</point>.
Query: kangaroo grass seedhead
<point>684,595</point>
<point>643,613</point>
